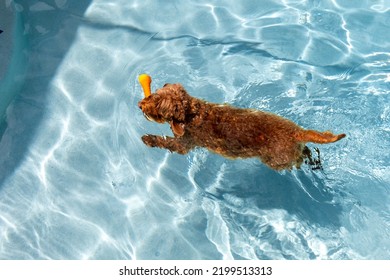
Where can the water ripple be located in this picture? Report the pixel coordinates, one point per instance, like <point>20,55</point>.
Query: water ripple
<point>87,187</point>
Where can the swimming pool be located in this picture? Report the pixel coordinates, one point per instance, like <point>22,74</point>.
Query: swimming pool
<point>76,181</point>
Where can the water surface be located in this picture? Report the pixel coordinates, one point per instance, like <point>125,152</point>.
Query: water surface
<point>76,181</point>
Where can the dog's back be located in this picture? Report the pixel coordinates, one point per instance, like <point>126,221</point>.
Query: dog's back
<point>235,132</point>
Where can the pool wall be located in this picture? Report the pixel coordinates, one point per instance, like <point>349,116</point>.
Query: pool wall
<point>14,56</point>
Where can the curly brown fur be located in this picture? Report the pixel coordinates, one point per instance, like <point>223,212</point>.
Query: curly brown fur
<point>228,131</point>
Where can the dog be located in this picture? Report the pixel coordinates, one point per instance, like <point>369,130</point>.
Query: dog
<point>226,130</point>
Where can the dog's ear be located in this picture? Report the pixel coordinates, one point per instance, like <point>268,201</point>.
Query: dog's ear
<point>164,107</point>
<point>172,108</point>
<point>179,111</point>
<point>181,102</point>
<point>177,128</point>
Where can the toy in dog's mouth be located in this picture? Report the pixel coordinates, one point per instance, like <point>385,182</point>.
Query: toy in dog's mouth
<point>145,80</point>
<point>149,112</point>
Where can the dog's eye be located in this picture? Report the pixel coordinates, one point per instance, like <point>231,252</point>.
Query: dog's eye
<point>166,85</point>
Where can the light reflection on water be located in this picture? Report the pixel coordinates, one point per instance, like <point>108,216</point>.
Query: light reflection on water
<point>87,187</point>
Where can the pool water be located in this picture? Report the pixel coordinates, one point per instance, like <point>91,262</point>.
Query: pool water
<point>76,181</point>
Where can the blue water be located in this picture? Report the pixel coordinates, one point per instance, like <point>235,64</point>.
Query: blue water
<point>76,181</point>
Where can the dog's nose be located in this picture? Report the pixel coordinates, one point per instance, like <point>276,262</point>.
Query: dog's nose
<point>139,105</point>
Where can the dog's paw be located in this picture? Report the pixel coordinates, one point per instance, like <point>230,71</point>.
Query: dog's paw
<point>149,140</point>
<point>314,163</point>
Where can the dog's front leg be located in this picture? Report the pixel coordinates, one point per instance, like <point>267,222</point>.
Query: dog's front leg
<point>170,143</point>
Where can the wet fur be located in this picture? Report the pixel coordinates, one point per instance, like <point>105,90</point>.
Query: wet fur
<point>229,131</point>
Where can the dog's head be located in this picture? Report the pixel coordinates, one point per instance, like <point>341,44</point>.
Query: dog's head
<point>168,104</point>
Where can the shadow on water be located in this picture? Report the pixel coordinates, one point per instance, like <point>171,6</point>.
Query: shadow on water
<point>47,31</point>
<point>304,194</point>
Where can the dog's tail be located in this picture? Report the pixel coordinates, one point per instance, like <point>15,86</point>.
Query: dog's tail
<point>319,137</point>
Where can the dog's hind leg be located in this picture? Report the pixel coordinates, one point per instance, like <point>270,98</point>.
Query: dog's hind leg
<point>315,163</point>
<point>164,142</point>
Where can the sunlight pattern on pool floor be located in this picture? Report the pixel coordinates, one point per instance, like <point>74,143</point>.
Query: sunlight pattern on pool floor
<point>84,186</point>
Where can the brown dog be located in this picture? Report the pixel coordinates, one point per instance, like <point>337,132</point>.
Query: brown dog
<point>228,131</point>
